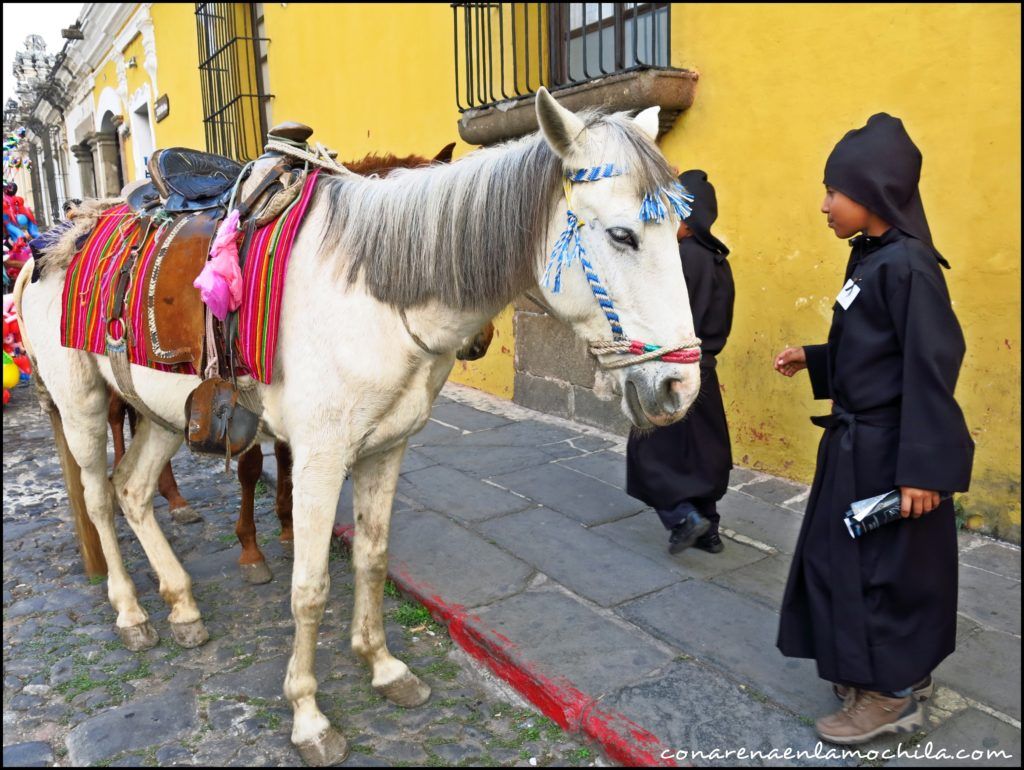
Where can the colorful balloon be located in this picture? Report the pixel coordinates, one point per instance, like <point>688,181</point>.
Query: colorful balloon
<point>12,375</point>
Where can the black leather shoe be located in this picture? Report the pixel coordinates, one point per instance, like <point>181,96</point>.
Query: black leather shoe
<point>686,532</point>
<point>710,542</point>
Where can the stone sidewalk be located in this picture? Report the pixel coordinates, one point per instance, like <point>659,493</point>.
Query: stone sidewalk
<point>513,528</point>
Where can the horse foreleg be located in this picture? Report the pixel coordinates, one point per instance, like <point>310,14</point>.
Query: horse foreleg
<point>375,479</point>
<point>134,485</point>
<point>251,563</point>
<point>319,473</point>
<point>284,490</point>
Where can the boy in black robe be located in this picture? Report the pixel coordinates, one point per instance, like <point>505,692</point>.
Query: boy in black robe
<point>878,613</point>
<point>682,470</point>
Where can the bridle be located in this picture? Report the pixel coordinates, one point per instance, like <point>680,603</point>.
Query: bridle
<point>569,248</point>
<point>620,351</point>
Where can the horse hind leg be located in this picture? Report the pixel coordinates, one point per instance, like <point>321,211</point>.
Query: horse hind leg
<point>319,473</point>
<point>117,411</point>
<point>178,506</point>
<point>251,564</point>
<point>284,491</point>
<point>83,423</point>
<point>375,479</point>
<point>135,484</point>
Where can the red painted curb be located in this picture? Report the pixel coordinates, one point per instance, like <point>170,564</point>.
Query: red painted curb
<point>557,698</point>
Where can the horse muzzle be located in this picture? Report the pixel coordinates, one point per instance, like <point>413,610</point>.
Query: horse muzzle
<point>658,394</point>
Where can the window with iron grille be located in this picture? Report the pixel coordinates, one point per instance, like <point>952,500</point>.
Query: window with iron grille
<point>231,75</point>
<point>506,51</point>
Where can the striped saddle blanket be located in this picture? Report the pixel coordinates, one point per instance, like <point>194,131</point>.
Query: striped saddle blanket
<point>90,288</point>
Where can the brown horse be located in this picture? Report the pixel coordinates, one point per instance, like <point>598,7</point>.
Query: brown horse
<point>251,562</point>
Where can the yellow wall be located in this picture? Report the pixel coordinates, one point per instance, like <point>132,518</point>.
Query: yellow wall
<point>779,85</point>
<point>377,78</point>
<point>177,55</point>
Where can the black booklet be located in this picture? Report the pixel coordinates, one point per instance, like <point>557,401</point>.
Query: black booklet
<point>874,512</point>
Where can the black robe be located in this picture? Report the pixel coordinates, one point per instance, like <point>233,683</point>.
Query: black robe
<point>691,459</point>
<point>879,612</point>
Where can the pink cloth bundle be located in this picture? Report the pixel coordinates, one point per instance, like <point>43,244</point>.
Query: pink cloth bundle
<point>220,283</point>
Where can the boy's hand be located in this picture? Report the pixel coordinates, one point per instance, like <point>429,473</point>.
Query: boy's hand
<point>915,502</point>
<point>790,361</point>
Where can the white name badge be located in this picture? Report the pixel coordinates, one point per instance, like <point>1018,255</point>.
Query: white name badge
<point>848,294</point>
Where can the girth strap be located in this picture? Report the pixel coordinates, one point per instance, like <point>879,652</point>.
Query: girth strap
<point>117,352</point>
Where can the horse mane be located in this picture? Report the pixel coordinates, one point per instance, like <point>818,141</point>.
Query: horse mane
<point>382,164</point>
<point>467,234</point>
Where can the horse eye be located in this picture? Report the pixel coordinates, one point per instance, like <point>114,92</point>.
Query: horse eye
<point>623,236</point>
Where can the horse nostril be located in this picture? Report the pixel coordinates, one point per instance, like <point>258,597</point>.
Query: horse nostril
<point>671,395</point>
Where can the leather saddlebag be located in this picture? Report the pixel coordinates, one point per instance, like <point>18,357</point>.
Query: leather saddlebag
<point>217,423</point>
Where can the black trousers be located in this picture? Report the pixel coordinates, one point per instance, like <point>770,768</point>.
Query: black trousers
<point>705,506</point>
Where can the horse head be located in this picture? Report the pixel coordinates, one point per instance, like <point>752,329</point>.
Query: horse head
<point>611,267</point>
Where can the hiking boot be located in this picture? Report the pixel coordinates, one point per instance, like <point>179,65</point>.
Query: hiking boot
<point>922,690</point>
<point>685,533</point>
<point>710,542</point>
<point>866,715</point>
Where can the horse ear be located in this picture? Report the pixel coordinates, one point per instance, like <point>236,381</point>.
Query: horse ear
<point>445,156</point>
<point>563,130</point>
<point>647,121</point>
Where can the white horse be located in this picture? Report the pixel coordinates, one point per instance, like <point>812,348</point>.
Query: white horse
<point>432,252</point>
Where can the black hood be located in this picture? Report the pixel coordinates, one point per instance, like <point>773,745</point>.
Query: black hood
<point>879,167</point>
<point>704,210</point>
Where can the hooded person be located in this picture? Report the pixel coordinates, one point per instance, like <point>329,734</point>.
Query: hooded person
<point>682,470</point>
<point>878,613</point>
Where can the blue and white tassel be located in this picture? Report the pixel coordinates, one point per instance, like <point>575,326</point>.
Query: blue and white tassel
<point>680,199</point>
<point>653,210</point>
<point>568,248</point>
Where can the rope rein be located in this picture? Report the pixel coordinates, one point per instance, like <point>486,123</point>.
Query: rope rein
<point>320,156</point>
<point>569,248</point>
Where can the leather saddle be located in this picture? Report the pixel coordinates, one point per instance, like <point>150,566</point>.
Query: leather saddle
<point>189,180</point>
<point>184,180</point>
<point>175,313</point>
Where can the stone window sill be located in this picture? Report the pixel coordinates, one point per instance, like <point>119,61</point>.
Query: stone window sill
<point>671,89</point>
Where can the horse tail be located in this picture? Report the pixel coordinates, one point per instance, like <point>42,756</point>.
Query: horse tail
<point>88,538</point>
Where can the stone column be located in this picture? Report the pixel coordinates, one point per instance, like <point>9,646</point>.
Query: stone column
<point>108,163</point>
<point>86,171</point>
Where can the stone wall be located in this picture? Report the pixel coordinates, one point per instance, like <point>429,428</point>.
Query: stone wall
<point>555,374</point>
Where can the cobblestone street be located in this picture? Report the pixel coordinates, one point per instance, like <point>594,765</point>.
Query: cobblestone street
<point>73,695</point>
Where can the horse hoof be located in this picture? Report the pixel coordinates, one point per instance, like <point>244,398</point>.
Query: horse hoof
<point>330,748</point>
<point>408,691</point>
<point>189,634</point>
<point>186,515</point>
<point>140,637</point>
<point>255,574</point>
